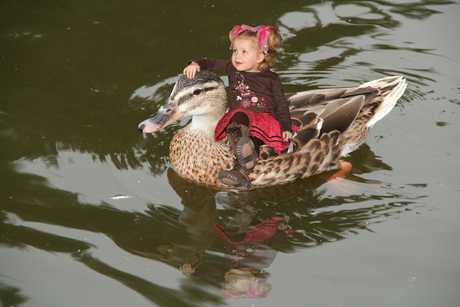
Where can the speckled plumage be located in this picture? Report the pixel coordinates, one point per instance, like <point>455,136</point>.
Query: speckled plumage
<point>332,123</point>
<point>198,157</point>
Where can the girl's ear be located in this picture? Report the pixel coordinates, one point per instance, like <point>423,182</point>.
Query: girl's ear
<point>260,57</point>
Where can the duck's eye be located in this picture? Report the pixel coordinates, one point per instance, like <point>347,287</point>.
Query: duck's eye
<point>197,92</point>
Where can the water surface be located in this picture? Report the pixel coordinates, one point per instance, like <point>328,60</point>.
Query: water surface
<point>78,77</point>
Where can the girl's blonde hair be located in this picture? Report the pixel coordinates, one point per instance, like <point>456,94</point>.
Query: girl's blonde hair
<point>274,43</point>
<point>257,289</point>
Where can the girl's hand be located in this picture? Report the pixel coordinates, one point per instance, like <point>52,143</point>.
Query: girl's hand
<point>187,269</point>
<point>282,227</point>
<point>286,136</point>
<point>190,70</point>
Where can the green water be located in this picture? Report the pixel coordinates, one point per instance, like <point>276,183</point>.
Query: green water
<point>77,77</point>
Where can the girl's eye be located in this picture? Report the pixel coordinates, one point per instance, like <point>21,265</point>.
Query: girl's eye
<point>197,92</point>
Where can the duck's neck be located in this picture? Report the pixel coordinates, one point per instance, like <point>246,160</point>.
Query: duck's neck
<point>206,123</point>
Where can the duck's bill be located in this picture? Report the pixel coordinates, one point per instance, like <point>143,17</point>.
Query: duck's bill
<point>167,114</point>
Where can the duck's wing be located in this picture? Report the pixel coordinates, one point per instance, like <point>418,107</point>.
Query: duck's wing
<point>321,111</point>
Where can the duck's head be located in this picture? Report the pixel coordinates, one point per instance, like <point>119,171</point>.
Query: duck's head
<point>203,97</point>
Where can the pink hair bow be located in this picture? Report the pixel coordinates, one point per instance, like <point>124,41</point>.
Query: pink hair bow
<point>263,34</point>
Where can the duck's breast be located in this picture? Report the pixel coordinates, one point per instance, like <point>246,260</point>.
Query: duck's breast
<point>198,157</point>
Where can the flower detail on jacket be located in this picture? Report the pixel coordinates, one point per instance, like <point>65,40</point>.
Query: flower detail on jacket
<point>260,103</point>
<point>245,103</point>
<point>244,94</point>
<point>241,251</point>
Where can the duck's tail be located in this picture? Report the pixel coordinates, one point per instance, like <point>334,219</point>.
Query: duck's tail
<point>391,89</point>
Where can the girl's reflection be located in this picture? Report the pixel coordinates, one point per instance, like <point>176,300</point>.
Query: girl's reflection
<point>250,247</point>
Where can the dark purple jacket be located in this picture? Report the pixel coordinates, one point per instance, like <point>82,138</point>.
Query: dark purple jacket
<point>255,91</point>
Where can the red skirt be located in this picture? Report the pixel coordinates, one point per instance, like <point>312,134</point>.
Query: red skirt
<point>263,126</point>
<point>257,233</point>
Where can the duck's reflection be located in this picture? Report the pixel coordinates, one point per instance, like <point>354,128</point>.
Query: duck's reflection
<point>187,238</point>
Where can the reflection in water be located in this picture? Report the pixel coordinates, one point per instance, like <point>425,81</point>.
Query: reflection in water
<point>11,296</point>
<point>189,232</point>
<point>155,293</point>
<point>183,240</point>
<point>250,247</point>
<point>254,234</point>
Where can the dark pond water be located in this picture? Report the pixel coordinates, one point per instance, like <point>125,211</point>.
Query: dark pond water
<point>78,76</point>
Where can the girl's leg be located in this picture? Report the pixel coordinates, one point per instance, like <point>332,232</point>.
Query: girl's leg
<point>243,147</point>
<point>241,142</point>
<point>257,143</point>
<point>237,177</point>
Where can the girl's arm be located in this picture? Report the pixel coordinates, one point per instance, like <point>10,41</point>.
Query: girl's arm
<point>282,110</point>
<point>205,64</point>
<point>277,240</point>
<point>187,269</point>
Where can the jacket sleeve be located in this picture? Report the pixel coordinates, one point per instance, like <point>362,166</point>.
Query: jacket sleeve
<point>277,240</point>
<point>210,64</point>
<point>282,106</point>
<point>207,272</point>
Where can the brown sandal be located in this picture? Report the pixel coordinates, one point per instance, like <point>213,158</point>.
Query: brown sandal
<point>245,153</point>
<point>241,221</point>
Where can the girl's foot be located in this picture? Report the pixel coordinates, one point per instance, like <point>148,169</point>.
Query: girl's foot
<point>245,153</point>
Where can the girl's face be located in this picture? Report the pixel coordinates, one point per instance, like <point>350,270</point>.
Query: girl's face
<point>245,56</point>
<point>238,281</point>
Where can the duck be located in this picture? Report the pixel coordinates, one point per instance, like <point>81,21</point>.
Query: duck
<point>331,124</point>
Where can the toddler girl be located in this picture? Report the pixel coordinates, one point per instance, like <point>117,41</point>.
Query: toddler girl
<point>258,110</point>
